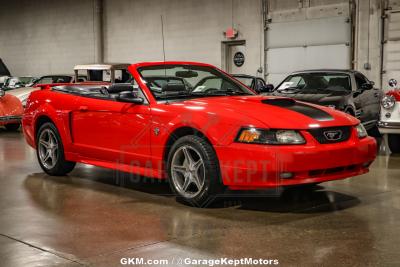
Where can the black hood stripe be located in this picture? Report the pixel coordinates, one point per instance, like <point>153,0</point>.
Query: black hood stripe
<point>309,111</point>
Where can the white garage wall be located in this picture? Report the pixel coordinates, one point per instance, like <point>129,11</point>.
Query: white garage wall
<point>42,37</point>
<point>193,30</point>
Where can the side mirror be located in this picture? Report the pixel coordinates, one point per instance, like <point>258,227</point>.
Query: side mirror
<point>129,97</point>
<point>267,88</point>
<point>367,86</point>
<point>2,93</point>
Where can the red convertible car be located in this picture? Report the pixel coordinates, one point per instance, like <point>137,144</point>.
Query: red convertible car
<point>196,126</point>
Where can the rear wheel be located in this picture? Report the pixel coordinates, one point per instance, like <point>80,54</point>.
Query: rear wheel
<point>50,151</point>
<point>12,127</point>
<point>394,143</point>
<point>193,171</point>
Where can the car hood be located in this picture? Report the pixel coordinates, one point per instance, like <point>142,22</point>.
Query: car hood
<point>23,92</point>
<point>321,97</point>
<point>273,112</point>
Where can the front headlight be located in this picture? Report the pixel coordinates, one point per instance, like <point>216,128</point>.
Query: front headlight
<point>270,137</point>
<point>388,102</point>
<point>361,132</point>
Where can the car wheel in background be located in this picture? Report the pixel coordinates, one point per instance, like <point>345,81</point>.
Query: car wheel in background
<point>193,171</point>
<point>12,127</point>
<point>394,143</point>
<point>50,151</point>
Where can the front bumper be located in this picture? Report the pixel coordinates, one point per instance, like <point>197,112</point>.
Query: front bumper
<point>247,167</point>
<point>389,127</point>
<point>10,119</point>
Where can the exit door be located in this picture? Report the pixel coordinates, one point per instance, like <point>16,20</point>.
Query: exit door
<point>234,60</point>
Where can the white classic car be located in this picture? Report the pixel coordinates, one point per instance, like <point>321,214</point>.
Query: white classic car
<point>23,93</point>
<point>109,73</point>
<point>390,116</point>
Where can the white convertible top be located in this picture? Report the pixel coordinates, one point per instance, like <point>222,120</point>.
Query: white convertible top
<point>102,66</point>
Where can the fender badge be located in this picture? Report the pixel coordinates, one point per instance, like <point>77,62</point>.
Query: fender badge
<point>156,131</point>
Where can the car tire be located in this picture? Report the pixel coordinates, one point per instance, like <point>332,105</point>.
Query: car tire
<point>50,151</point>
<point>394,143</point>
<point>12,127</point>
<point>193,171</point>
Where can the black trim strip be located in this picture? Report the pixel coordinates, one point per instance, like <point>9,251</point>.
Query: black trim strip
<point>11,118</point>
<point>301,108</point>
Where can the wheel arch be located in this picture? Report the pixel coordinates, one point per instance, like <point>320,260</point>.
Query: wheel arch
<point>42,119</point>
<point>350,110</point>
<point>178,133</point>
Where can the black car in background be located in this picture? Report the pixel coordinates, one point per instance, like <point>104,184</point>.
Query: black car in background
<point>346,90</point>
<point>256,83</point>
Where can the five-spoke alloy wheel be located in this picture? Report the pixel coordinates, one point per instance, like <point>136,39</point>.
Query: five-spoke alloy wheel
<point>193,171</point>
<point>50,151</point>
<point>188,171</point>
<point>48,148</point>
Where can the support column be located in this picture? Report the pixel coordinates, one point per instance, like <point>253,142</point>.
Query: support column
<point>98,29</point>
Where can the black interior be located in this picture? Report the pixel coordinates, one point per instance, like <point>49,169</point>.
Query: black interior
<point>96,91</point>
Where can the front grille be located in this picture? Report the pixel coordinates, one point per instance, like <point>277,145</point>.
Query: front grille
<point>331,135</point>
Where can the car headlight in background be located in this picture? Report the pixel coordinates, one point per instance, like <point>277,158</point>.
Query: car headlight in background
<point>272,137</point>
<point>361,132</point>
<point>388,102</point>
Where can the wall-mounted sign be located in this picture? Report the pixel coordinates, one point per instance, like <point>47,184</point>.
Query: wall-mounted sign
<point>238,59</point>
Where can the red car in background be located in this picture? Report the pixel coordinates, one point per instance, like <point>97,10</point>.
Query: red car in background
<point>173,122</point>
<point>10,111</point>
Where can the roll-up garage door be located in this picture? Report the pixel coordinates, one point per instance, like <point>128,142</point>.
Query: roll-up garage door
<point>391,48</point>
<point>309,43</point>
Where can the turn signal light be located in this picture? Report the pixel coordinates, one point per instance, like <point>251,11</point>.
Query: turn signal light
<point>249,135</point>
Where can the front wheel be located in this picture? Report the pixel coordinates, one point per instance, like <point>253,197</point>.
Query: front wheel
<point>12,127</point>
<point>394,143</point>
<point>50,151</point>
<point>193,171</point>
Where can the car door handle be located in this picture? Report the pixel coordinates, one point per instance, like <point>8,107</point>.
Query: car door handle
<point>83,108</point>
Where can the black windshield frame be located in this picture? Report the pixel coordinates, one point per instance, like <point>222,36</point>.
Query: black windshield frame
<point>191,94</point>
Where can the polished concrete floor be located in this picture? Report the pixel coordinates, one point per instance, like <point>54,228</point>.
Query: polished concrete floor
<point>95,217</point>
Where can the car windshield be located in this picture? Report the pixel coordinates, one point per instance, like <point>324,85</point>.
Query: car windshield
<point>17,82</point>
<point>316,82</point>
<point>54,79</point>
<point>189,81</point>
<point>248,81</point>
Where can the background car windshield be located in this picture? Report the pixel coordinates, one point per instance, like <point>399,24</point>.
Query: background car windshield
<point>54,79</point>
<point>177,81</point>
<point>317,81</point>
